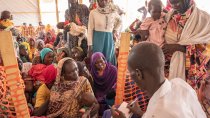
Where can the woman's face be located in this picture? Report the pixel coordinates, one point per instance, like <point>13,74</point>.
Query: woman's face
<point>40,46</point>
<point>103,3</point>
<point>48,59</point>
<point>71,71</point>
<point>49,36</point>
<point>32,43</point>
<point>76,54</point>
<point>100,64</point>
<point>178,5</point>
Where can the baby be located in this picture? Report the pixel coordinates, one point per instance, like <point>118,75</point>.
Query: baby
<point>88,104</point>
<point>153,28</point>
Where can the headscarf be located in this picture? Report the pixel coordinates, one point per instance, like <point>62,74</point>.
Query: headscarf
<point>107,9</point>
<point>105,82</point>
<point>65,50</point>
<point>39,41</point>
<point>60,66</point>
<point>49,74</point>
<point>43,53</point>
<point>27,46</point>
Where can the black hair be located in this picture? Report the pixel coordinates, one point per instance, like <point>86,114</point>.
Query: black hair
<point>137,37</point>
<point>22,47</point>
<point>3,13</point>
<point>153,3</point>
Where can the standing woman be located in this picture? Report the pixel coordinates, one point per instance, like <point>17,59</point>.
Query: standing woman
<point>78,14</point>
<point>100,32</point>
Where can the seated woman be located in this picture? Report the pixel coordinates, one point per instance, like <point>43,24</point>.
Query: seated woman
<point>50,39</point>
<point>43,93</point>
<point>83,71</point>
<point>104,77</point>
<point>47,57</point>
<point>65,94</point>
<point>39,46</point>
<point>77,54</point>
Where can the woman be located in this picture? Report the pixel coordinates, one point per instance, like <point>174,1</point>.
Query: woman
<point>186,35</point>
<point>64,96</point>
<point>77,54</point>
<point>100,32</point>
<point>39,46</point>
<point>83,71</point>
<point>104,77</point>
<point>50,39</point>
<point>59,40</point>
<point>78,14</point>
<point>47,57</point>
<point>43,93</point>
<point>32,48</point>
<point>62,53</point>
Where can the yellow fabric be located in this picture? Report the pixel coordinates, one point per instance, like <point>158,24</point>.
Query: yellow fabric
<point>43,94</point>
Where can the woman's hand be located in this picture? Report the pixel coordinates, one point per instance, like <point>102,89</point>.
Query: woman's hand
<point>95,109</point>
<point>135,108</point>
<point>116,113</point>
<point>171,48</point>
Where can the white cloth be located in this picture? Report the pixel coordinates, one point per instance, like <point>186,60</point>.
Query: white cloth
<point>97,21</point>
<point>174,99</point>
<point>196,31</point>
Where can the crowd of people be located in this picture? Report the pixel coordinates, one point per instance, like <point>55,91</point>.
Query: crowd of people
<point>73,74</point>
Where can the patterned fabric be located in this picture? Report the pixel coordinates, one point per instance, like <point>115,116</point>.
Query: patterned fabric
<point>31,31</point>
<point>24,31</point>
<point>196,63</point>
<point>131,92</point>
<point>80,17</point>
<point>40,29</point>
<point>64,96</point>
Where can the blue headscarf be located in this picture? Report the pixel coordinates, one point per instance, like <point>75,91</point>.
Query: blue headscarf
<point>43,52</point>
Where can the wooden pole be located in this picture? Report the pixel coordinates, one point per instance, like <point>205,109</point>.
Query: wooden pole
<point>39,11</point>
<point>122,67</point>
<point>57,12</point>
<point>13,78</point>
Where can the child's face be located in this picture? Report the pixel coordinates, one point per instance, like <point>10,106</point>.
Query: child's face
<point>155,12</point>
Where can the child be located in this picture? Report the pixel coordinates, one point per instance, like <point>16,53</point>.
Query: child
<point>88,102</point>
<point>154,24</point>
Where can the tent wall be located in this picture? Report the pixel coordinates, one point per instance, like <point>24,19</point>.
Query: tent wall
<point>22,10</point>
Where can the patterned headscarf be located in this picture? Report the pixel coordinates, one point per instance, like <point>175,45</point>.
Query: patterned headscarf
<point>39,41</point>
<point>60,66</point>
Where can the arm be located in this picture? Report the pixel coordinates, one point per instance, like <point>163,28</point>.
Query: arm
<point>118,23</point>
<point>42,109</point>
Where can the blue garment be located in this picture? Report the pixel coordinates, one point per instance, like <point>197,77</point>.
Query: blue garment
<point>103,42</point>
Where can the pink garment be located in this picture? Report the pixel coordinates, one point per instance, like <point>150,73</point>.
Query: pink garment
<point>156,30</point>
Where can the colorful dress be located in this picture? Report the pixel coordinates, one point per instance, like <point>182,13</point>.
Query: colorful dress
<point>79,16</point>
<point>100,32</point>
<point>64,95</point>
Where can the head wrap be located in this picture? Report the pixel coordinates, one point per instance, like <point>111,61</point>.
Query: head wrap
<point>39,41</point>
<point>60,66</point>
<point>43,53</point>
<point>103,84</point>
<point>49,74</point>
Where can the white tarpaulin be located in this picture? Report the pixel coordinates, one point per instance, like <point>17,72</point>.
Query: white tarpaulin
<point>22,10</point>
